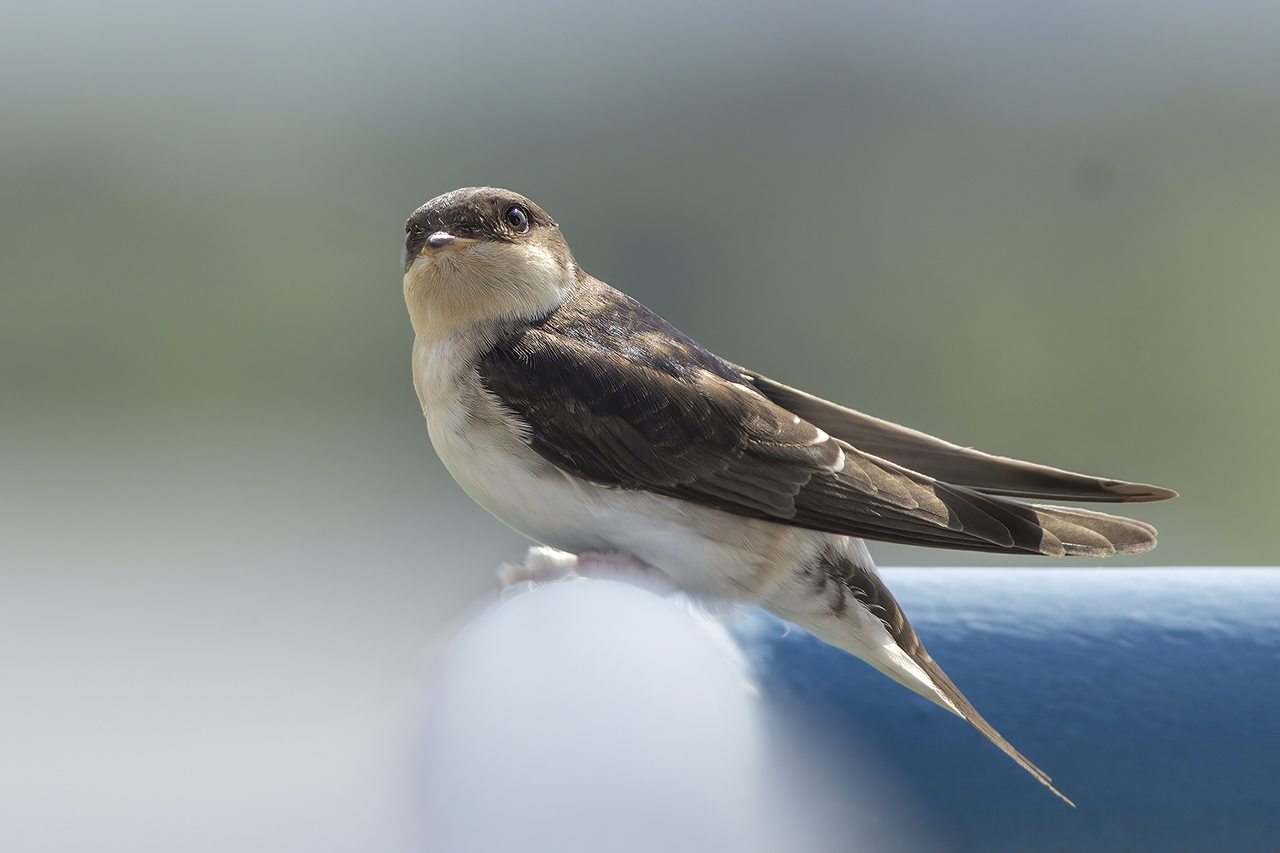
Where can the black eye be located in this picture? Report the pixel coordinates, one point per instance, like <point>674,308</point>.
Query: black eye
<point>518,219</point>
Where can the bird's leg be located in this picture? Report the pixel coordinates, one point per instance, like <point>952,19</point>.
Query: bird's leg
<point>543,565</point>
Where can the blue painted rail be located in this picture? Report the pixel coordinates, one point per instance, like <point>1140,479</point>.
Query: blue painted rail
<point>585,714</point>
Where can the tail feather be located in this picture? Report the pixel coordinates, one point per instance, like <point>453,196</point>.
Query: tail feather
<point>964,519</point>
<point>1094,534</point>
<point>969,713</point>
<point>840,599</point>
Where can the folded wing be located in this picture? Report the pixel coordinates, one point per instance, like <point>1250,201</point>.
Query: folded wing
<point>656,412</point>
<point>962,466</point>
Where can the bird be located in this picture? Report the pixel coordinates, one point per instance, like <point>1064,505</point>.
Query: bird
<point>585,421</point>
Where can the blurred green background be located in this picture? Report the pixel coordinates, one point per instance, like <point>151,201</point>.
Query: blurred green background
<point>1050,233</point>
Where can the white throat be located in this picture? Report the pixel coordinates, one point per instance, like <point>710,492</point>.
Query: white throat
<point>483,284</point>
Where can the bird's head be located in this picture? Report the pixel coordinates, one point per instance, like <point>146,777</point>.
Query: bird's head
<point>480,256</point>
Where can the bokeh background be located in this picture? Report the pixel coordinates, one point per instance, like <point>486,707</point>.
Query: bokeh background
<point>1050,231</point>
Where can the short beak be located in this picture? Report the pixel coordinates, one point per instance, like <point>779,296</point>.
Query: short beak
<point>441,240</point>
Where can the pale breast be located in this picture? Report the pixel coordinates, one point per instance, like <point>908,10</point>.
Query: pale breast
<point>704,550</point>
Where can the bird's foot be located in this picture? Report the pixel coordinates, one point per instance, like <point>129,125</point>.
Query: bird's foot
<point>543,565</point>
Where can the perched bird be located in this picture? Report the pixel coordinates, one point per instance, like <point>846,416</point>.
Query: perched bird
<point>588,423</point>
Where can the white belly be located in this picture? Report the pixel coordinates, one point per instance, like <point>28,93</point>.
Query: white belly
<point>703,550</point>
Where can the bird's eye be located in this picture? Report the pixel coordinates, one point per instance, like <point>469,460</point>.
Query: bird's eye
<point>518,219</point>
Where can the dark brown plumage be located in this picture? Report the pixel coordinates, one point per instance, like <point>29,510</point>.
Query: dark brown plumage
<point>614,394</point>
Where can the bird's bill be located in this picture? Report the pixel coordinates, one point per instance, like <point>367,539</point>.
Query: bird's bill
<point>443,241</point>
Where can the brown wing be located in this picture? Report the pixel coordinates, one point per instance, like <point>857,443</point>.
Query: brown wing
<point>613,394</point>
<point>962,466</point>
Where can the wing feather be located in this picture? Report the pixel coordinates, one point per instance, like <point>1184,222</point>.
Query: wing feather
<point>612,394</point>
<point>996,475</point>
